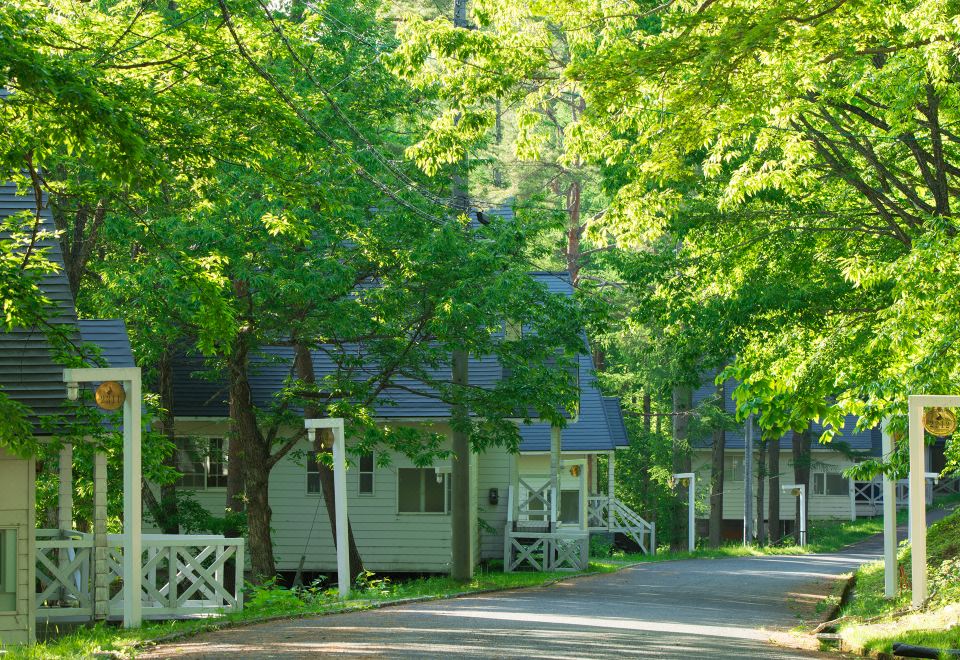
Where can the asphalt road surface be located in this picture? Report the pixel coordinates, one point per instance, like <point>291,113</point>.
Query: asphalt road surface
<point>703,608</point>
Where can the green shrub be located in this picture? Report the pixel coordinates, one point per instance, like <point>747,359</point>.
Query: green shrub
<point>600,546</point>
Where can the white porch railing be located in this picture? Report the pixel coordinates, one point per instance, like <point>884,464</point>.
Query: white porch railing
<point>868,495</point>
<point>64,581</point>
<point>612,515</point>
<point>536,541</point>
<point>181,575</point>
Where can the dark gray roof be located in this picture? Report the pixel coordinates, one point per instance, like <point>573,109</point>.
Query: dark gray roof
<point>618,430</point>
<point>859,441</point>
<point>111,336</point>
<point>591,432</point>
<point>197,396</point>
<point>28,373</point>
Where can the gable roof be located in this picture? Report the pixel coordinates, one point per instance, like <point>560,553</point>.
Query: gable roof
<point>618,429</point>
<point>594,430</point>
<point>110,335</point>
<point>28,373</point>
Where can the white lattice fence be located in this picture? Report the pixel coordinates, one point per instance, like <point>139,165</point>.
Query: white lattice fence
<point>182,575</point>
<point>597,507</point>
<point>63,565</point>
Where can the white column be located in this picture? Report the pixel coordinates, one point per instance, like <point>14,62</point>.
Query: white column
<point>611,495</point>
<point>555,432</point>
<point>918,512</point>
<point>340,492</point>
<point>101,568</point>
<point>132,481</point>
<point>691,514</point>
<point>889,518</point>
<point>65,489</point>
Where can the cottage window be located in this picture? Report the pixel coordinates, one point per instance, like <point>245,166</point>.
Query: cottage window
<point>733,468</point>
<point>421,490</point>
<point>366,467</point>
<point>202,462</point>
<point>8,570</point>
<point>313,473</point>
<point>830,482</point>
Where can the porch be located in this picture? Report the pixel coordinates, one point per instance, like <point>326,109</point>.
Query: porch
<point>550,519</point>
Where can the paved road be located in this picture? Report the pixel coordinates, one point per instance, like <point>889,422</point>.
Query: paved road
<point>708,608</point>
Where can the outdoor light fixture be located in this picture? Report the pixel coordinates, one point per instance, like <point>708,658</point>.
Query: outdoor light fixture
<point>799,490</point>
<point>332,436</point>
<point>575,471</point>
<point>493,496</point>
<point>73,391</point>
<point>688,479</point>
<point>441,470</point>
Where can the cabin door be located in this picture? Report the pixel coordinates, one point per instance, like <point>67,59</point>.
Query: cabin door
<point>573,492</point>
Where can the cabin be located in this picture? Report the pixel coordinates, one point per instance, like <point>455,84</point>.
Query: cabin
<point>830,494</point>
<point>551,492</point>
<point>61,574</point>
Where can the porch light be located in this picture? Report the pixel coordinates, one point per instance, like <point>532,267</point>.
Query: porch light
<point>442,470</point>
<point>799,490</point>
<point>575,471</point>
<point>73,391</point>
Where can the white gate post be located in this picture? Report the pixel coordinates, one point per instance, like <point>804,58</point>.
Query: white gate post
<point>889,518</point>
<point>918,504</point>
<point>132,529</point>
<point>340,495</point>
<point>129,378</point>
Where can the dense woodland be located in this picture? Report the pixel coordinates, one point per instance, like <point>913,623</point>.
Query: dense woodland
<point>763,190</point>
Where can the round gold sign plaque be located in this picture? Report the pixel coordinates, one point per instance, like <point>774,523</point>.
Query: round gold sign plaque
<point>940,422</point>
<point>110,395</point>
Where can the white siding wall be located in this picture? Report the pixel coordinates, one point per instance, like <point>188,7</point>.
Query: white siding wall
<point>821,506</point>
<point>494,472</point>
<point>17,512</point>
<point>387,540</point>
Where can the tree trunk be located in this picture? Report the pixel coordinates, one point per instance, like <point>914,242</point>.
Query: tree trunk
<point>761,483</point>
<point>773,470</point>
<point>716,475</point>
<point>574,231</point>
<point>250,447</point>
<point>682,403</point>
<point>801,474</point>
<point>303,367</point>
<point>167,515</point>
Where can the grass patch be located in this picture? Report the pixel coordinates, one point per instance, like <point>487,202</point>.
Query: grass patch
<point>273,602</point>
<point>871,623</point>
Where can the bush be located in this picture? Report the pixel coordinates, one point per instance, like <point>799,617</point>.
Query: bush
<point>600,546</point>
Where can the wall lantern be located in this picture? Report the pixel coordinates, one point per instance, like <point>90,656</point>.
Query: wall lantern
<point>575,471</point>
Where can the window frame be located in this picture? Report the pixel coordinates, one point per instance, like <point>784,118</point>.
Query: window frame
<point>372,472</point>
<point>447,483</point>
<point>823,474</point>
<point>306,479</point>
<point>205,461</point>
<point>9,565</point>
<point>737,465</point>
